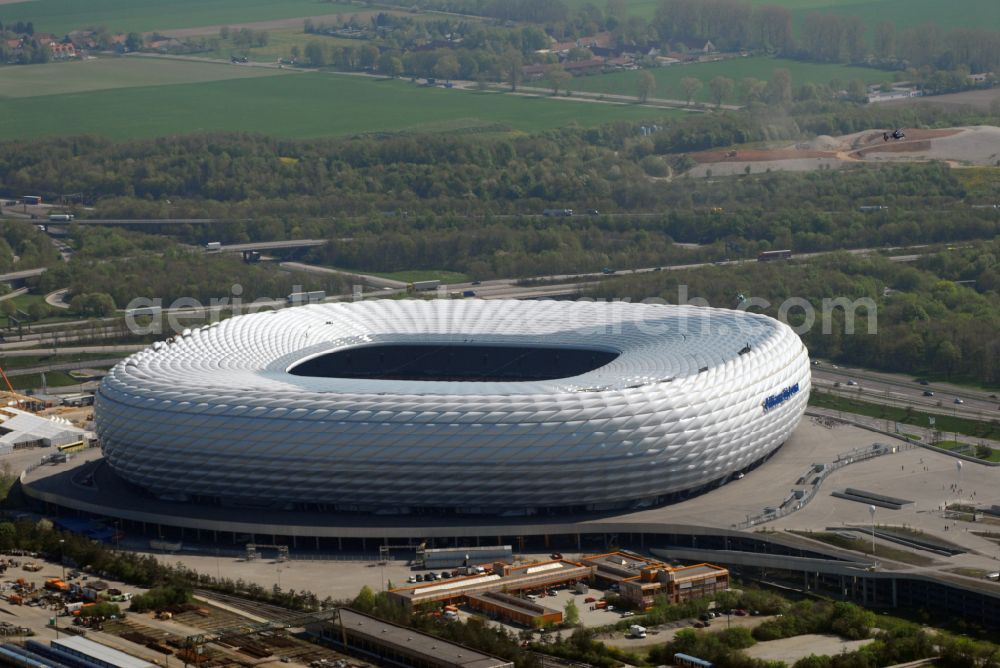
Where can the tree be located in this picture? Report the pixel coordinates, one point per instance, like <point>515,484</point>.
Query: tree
<point>557,76</point>
<point>571,614</point>
<point>885,39</point>
<point>752,90</point>
<point>315,54</point>
<point>38,310</point>
<point>446,67</point>
<point>690,86</point>
<point>133,42</point>
<point>365,600</point>
<point>510,67</point>
<point>368,57</point>
<point>721,89</point>
<point>779,87</point>
<point>390,66</point>
<point>8,307</point>
<point>645,85</point>
<point>947,357</point>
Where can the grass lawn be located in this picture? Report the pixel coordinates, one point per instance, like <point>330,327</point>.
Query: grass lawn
<point>115,72</point>
<point>62,16</point>
<point>55,314</point>
<point>967,449</point>
<point>865,546</point>
<point>668,79</point>
<point>52,379</point>
<point>279,46</point>
<point>40,360</point>
<point>300,106</point>
<point>944,423</point>
<point>446,277</point>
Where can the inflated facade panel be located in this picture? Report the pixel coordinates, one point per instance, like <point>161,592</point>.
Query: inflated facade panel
<point>694,396</point>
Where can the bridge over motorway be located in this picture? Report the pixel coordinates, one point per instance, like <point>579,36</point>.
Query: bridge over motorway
<point>157,221</point>
<point>272,245</point>
<point>16,277</point>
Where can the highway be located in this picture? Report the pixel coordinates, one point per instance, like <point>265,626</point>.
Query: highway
<point>156,221</point>
<point>64,366</point>
<point>902,390</point>
<point>272,245</point>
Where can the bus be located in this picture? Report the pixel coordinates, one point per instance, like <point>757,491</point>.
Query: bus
<point>768,256</point>
<point>688,661</point>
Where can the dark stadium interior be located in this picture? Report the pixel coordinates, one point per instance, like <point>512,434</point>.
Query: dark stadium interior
<point>455,362</point>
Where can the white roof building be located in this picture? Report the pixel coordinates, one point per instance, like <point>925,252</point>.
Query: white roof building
<point>20,429</point>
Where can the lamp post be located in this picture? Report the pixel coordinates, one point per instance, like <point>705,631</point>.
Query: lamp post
<point>871,511</point>
<point>62,558</point>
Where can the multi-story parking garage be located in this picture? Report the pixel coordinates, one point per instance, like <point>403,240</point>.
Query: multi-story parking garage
<point>476,407</point>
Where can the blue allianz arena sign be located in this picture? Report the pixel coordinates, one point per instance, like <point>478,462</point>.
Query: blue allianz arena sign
<point>776,400</point>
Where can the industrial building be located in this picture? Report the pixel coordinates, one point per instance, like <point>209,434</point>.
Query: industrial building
<point>503,577</point>
<point>378,640</point>
<point>497,605</point>
<point>641,580</point>
<point>68,652</point>
<point>450,557</point>
<point>490,407</point>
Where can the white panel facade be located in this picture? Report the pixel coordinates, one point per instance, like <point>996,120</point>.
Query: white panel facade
<point>216,415</point>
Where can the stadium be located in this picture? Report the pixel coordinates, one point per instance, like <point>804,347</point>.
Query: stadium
<point>454,406</point>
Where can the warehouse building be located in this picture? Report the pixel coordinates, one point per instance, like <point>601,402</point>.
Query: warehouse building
<point>507,608</point>
<point>97,654</point>
<point>451,557</point>
<point>372,638</point>
<point>503,577</point>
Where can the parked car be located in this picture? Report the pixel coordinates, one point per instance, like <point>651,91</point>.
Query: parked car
<point>590,599</point>
<point>923,382</point>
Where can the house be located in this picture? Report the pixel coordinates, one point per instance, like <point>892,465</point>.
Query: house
<point>589,66</point>
<point>62,50</point>
<point>574,67</point>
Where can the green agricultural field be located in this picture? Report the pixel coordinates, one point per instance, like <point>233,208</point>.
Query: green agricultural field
<point>62,16</point>
<point>904,13</point>
<point>115,72</point>
<point>668,78</point>
<point>297,105</point>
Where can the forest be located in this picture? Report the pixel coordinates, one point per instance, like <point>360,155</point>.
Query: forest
<point>927,323</point>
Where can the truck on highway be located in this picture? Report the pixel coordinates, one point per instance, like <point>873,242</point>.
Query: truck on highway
<point>60,217</point>
<point>557,212</point>
<point>213,246</point>
<point>423,286</point>
<point>152,311</point>
<point>637,631</point>
<point>297,298</point>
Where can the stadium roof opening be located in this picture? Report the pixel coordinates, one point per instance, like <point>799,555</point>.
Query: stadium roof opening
<point>455,362</point>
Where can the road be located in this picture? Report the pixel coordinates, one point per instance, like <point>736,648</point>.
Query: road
<point>273,245</point>
<point>65,366</point>
<point>900,390</point>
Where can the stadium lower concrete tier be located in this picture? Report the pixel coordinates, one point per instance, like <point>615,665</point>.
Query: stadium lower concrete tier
<point>700,529</point>
<point>454,406</point>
